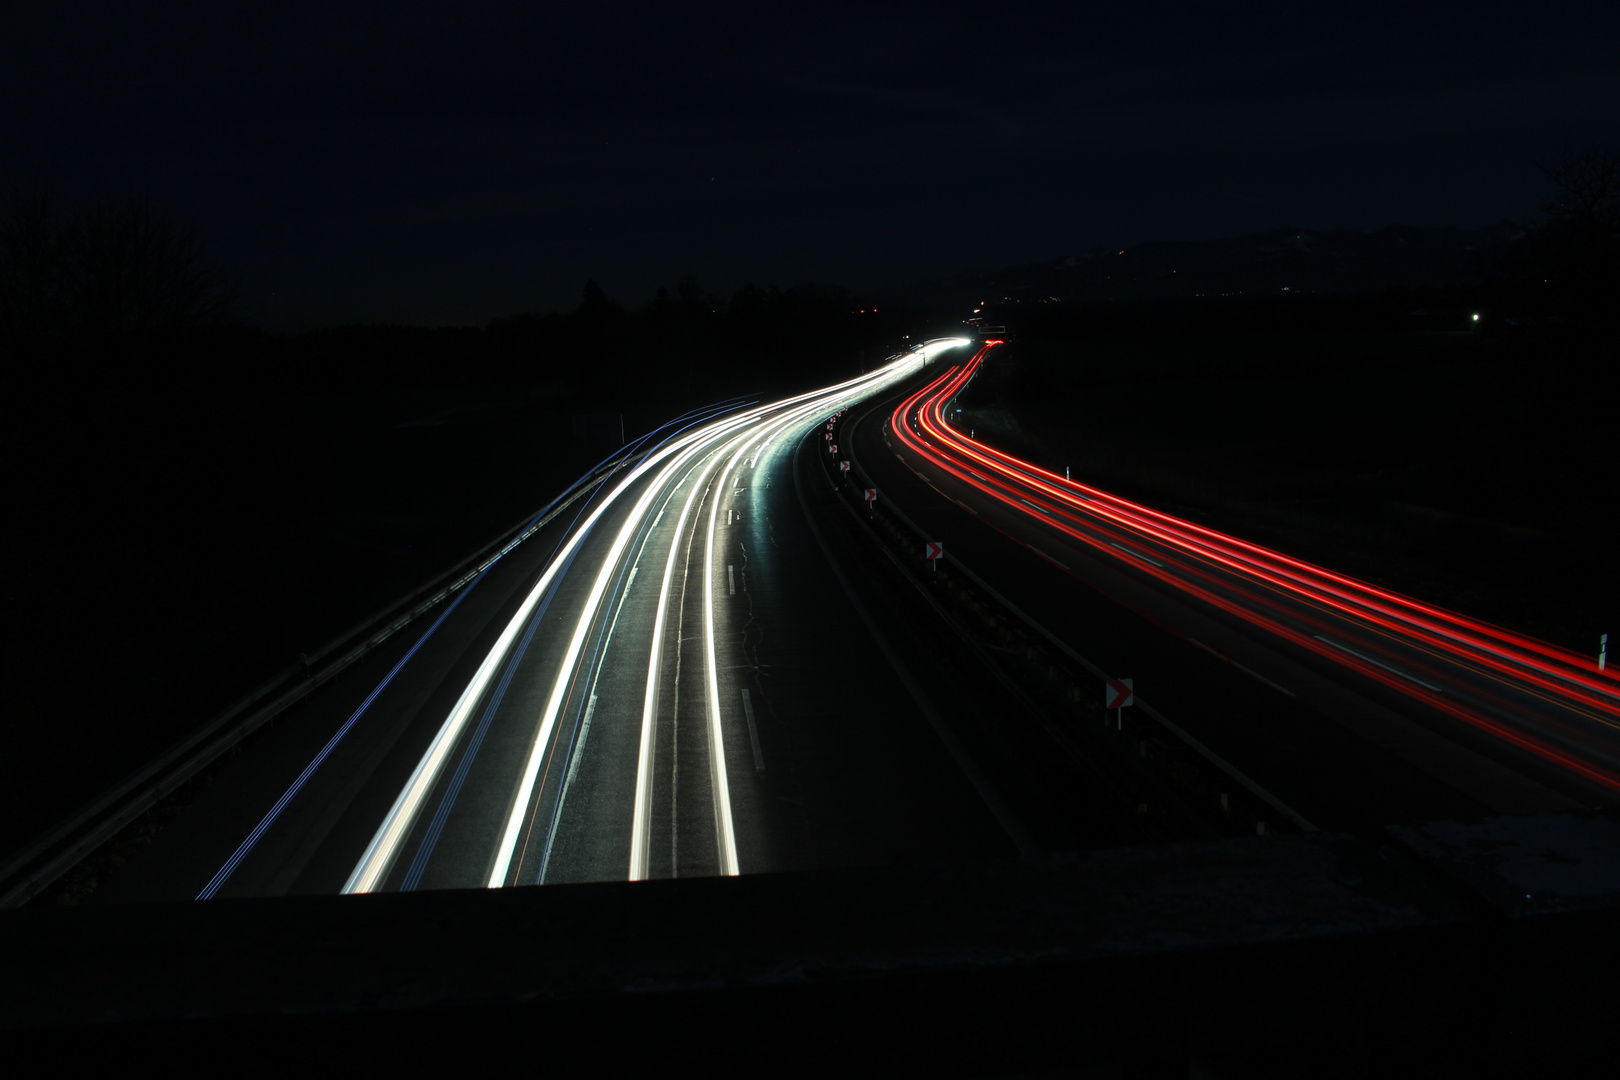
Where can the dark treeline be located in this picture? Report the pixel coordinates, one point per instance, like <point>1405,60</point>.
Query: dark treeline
<point>685,343</point>
<point>601,355</point>
<point>115,294</point>
<point>113,266</point>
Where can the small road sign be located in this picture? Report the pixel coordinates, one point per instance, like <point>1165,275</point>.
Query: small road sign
<point>832,448</point>
<point>934,549</point>
<point>871,494</point>
<point>843,466</point>
<point>1120,693</point>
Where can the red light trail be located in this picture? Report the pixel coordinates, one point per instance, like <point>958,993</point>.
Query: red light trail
<point>1531,694</point>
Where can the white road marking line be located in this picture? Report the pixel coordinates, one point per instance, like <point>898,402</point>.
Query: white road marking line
<point>1379,663</point>
<point>1212,652</point>
<point>1262,678</point>
<point>579,747</point>
<point>1138,554</point>
<point>1045,556</point>
<point>731,580</point>
<point>579,752</point>
<point>753,731</point>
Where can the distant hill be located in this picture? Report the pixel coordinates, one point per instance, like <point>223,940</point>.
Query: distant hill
<point>1261,264</point>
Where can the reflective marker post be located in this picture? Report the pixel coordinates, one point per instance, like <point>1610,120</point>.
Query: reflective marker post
<point>1117,694</point>
<point>1603,652</point>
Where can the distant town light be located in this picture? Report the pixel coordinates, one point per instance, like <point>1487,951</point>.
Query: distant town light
<point>1476,318</point>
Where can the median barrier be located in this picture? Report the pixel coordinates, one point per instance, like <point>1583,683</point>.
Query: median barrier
<point>1007,637</point>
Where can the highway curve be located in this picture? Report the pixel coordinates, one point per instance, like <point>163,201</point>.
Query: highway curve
<point>1350,705</point>
<point>689,673</point>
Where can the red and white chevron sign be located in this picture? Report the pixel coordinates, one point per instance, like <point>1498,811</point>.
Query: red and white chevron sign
<point>871,494</point>
<point>1120,693</point>
<point>832,448</point>
<point>934,549</point>
<point>843,466</point>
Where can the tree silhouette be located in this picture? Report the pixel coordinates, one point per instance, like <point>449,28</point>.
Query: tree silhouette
<point>1580,245</point>
<point>34,246</point>
<point>117,266</point>
<point>135,270</point>
<point>1588,183</point>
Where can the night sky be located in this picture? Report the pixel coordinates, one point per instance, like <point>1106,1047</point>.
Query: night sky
<point>444,163</point>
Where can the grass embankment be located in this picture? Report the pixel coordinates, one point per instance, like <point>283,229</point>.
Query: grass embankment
<point>1460,469</point>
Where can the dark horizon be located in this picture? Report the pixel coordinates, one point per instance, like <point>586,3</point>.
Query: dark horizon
<point>450,165</point>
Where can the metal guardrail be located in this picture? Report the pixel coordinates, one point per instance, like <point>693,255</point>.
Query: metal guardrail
<point>1175,730</point>
<point>58,850</point>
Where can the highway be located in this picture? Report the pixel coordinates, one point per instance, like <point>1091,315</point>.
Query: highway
<point>679,678</point>
<point>705,668</point>
<point>1353,704</point>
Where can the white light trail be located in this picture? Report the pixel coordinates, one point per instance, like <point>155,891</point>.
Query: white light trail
<point>559,690</point>
<point>725,830</point>
<point>380,854</point>
<point>641,813</point>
